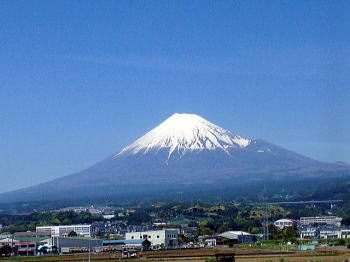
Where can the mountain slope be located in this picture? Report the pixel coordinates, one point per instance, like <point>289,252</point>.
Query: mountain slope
<point>184,150</point>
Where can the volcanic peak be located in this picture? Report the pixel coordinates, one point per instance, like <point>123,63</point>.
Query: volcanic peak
<point>183,133</point>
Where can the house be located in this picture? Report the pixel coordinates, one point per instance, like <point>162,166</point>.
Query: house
<point>167,238</point>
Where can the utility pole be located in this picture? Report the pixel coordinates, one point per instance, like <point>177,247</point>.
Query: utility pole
<point>12,244</point>
<point>265,220</point>
<point>89,251</point>
<point>58,245</point>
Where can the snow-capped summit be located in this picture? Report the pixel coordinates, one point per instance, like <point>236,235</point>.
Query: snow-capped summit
<point>182,133</point>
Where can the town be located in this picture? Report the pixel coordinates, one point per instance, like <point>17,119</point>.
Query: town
<point>127,232</point>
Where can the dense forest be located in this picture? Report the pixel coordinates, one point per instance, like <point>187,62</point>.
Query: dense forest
<point>28,222</point>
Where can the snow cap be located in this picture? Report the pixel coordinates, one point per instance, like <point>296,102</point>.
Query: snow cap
<point>184,133</point>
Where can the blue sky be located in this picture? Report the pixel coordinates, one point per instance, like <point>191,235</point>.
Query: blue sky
<point>79,80</point>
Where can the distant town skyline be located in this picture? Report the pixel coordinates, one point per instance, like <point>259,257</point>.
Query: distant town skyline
<point>80,80</point>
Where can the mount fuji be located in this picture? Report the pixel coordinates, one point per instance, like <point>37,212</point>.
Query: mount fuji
<point>184,150</point>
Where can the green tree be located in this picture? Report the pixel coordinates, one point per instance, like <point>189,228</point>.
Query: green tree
<point>290,233</point>
<point>346,221</point>
<point>138,217</point>
<point>55,221</point>
<point>204,229</point>
<point>274,233</point>
<point>224,228</point>
<point>255,230</point>
<point>72,234</point>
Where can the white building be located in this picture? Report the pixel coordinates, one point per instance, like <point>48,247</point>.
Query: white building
<point>309,232</point>
<point>166,237</point>
<point>80,230</point>
<point>324,232</point>
<point>325,220</point>
<point>108,216</point>
<point>210,242</point>
<point>345,233</point>
<point>239,236</point>
<point>331,232</point>
<point>281,223</point>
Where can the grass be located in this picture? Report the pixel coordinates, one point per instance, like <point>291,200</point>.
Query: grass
<point>202,255</point>
<point>268,246</point>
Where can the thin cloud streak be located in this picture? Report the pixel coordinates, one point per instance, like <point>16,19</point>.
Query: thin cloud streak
<point>267,64</point>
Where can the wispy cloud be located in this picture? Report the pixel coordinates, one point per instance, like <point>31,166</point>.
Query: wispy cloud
<point>291,62</point>
<point>172,65</point>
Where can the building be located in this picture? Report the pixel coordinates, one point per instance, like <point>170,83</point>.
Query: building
<point>309,232</point>
<point>167,238</point>
<point>237,236</point>
<point>24,246</point>
<point>8,241</point>
<point>28,245</point>
<point>3,236</point>
<point>324,232</point>
<point>211,242</point>
<point>345,233</point>
<point>92,210</point>
<point>234,237</point>
<point>76,244</point>
<point>108,216</point>
<point>282,223</point>
<point>142,244</point>
<point>325,220</point>
<point>329,232</point>
<point>32,234</point>
<point>80,230</point>
<point>306,247</point>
